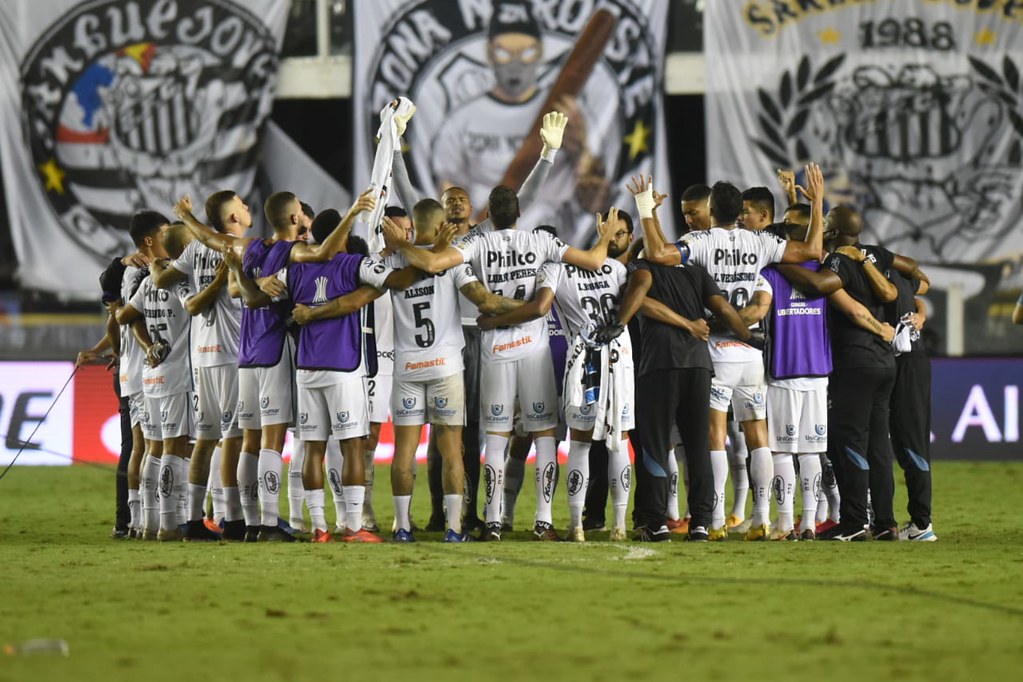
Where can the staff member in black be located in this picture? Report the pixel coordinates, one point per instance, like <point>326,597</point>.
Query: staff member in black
<point>673,386</point>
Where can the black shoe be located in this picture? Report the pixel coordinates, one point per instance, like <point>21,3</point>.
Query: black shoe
<point>491,532</point>
<point>436,524</point>
<point>594,524</point>
<point>885,534</point>
<point>472,523</point>
<point>274,534</point>
<point>698,534</point>
<point>842,533</point>
<point>644,534</point>
<point>544,532</point>
<point>252,533</point>
<point>196,531</point>
<point>234,530</point>
<point>119,534</point>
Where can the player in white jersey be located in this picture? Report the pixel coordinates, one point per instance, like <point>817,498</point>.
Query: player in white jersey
<point>515,360</point>
<point>733,257</point>
<point>587,301</point>
<point>166,382</point>
<point>214,354</point>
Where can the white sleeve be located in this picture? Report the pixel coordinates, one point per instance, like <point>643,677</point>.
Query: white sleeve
<point>548,276</point>
<point>463,274</point>
<point>183,263</point>
<point>469,245</point>
<point>773,248</point>
<point>138,299</point>
<point>183,291</point>
<point>374,273</point>
<point>551,248</point>
<point>763,285</point>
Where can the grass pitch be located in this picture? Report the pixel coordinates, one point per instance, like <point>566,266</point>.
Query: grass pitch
<point>518,610</point>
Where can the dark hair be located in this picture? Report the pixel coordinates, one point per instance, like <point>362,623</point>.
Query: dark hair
<point>215,205</point>
<point>145,223</point>
<point>623,216</point>
<point>725,203</point>
<point>276,209</point>
<point>513,16</point>
<point>549,229</point>
<point>358,246</point>
<point>801,209</point>
<point>425,210</point>
<point>324,224</point>
<point>395,212</point>
<point>504,207</point>
<point>761,199</point>
<point>110,281</point>
<point>696,193</point>
<point>308,210</point>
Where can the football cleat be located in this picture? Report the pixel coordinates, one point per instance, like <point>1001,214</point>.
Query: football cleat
<point>575,535</point>
<point>594,524</point>
<point>839,533</point>
<point>452,536</point>
<point>808,535</point>
<point>644,534</point>
<point>363,535</point>
<point>733,522</point>
<point>120,534</point>
<point>825,526</point>
<point>213,526</point>
<point>234,530</point>
<point>784,535</point>
<point>719,534</point>
<point>196,531</point>
<point>914,533</point>
<point>758,533</point>
<point>370,523</point>
<point>436,524</point>
<point>618,535</point>
<point>679,526</point>
<point>252,533</point>
<point>274,534</point>
<point>174,535</point>
<point>402,535</point>
<point>490,533</point>
<point>134,534</point>
<point>471,523</point>
<point>322,536</point>
<point>885,534</point>
<point>698,534</point>
<point>297,525</point>
<point>544,532</point>
<point>149,535</point>
<point>742,528</point>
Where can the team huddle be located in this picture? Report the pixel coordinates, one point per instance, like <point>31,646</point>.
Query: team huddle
<point>734,350</point>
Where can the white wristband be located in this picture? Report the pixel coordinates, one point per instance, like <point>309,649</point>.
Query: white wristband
<point>548,154</point>
<point>645,203</point>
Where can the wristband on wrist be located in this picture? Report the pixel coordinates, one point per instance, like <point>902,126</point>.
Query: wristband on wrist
<point>548,154</point>
<point>645,204</point>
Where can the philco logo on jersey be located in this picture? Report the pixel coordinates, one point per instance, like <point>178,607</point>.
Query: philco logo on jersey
<point>129,104</point>
<point>734,257</point>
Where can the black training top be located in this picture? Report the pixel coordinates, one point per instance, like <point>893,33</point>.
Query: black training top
<point>686,290</point>
<point>851,345</point>
<point>905,303</point>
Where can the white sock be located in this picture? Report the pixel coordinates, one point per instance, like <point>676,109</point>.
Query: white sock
<point>829,486</point>
<point>150,482</point>
<point>401,512</point>
<point>810,482</point>
<point>719,467</point>
<point>248,474</point>
<point>683,462</point>
<point>296,490</point>
<point>619,475</point>
<point>578,479</point>
<point>784,489</point>
<point>493,476</point>
<point>453,509</point>
<point>314,500</point>
<point>169,471</point>
<point>135,508</point>
<point>740,477</point>
<point>354,497</point>
<point>546,477</point>
<point>181,488</point>
<point>232,504</point>
<point>335,465</point>
<point>270,466</point>
<point>672,508</point>
<point>514,474</point>
<point>196,501</point>
<point>369,473</point>
<point>761,475</point>
<point>216,485</point>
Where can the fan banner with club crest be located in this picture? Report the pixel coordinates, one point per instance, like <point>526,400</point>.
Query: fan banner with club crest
<point>111,106</point>
<point>913,108</point>
<point>481,71</point>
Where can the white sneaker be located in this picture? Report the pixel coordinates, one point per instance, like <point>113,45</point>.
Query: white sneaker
<point>913,534</point>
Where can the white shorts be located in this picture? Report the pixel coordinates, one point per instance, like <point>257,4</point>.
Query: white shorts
<point>437,401</point>
<point>168,416</point>
<point>378,390</point>
<point>216,391</point>
<point>265,394</point>
<point>136,408</point>
<point>532,379</point>
<point>339,410</point>
<point>798,420</point>
<point>741,385</point>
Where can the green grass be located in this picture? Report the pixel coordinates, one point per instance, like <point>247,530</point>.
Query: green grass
<point>732,611</point>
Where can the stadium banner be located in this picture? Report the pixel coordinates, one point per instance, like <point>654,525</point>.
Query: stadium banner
<point>481,72</point>
<point>913,108</point>
<point>115,105</point>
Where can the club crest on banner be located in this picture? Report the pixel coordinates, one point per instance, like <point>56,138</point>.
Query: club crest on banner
<point>128,105</point>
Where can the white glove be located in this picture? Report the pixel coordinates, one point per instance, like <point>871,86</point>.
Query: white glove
<point>645,202</point>
<point>401,118</point>
<point>552,131</point>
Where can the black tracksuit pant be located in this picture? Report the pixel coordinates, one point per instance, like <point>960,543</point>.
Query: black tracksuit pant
<point>859,446</point>
<point>911,431</point>
<point>667,397</point>
<point>122,514</point>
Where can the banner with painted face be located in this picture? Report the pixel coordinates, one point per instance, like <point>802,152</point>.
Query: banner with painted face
<point>479,72</point>
<point>912,108</point>
<point>116,105</point>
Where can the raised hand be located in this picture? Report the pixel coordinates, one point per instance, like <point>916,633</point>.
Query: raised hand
<point>552,131</point>
<point>445,236</point>
<point>788,182</point>
<point>183,207</point>
<point>365,202</point>
<point>814,191</point>
<point>604,227</point>
<point>643,192</point>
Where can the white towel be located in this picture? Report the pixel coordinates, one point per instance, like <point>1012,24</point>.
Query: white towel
<point>608,423</point>
<point>575,370</point>
<point>380,179</point>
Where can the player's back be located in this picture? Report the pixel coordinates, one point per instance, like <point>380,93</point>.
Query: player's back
<point>583,297</point>
<point>216,329</point>
<point>427,314</point>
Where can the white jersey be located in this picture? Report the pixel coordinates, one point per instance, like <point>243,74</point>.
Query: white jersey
<point>506,261</point>
<point>216,329</point>
<point>383,329</point>
<point>734,258</point>
<point>132,357</point>
<point>583,297</point>
<point>168,322</point>
<point>427,322</point>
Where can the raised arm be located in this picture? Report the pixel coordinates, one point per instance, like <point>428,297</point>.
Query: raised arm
<point>656,248</point>
<point>204,233</point>
<point>339,307</point>
<point>594,257</point>
<point>860,316</point>
<point>424,259</point>
<point>402,185</point>
<point>552,132</point>
<point>788,185</point>
<point>207,296</point>
<point>813,247</point>
<point>165,275</point>
<point>510,315</point>
<point>337,240</point>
